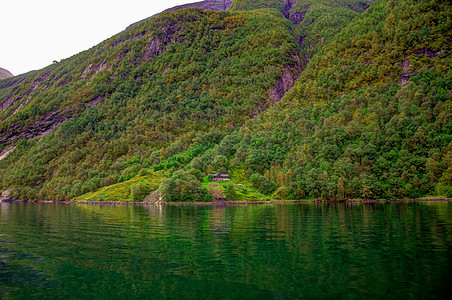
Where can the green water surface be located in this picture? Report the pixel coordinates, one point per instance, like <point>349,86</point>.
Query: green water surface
<point>285,251</point>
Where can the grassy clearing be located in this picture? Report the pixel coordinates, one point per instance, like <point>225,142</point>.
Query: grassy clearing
<point>121,191</point>
<point>244,190</point>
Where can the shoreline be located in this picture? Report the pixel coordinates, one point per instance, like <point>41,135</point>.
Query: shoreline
<point>230,203</point>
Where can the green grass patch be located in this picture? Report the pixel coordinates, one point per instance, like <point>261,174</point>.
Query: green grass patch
<point>244,190</point>
<point>122,191</point>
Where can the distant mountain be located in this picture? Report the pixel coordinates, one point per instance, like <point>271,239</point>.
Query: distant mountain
<point>5,74</point>
<point>293,99</point>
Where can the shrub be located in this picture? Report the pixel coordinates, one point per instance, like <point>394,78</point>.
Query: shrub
<point>449,192</point>
<point>231,194</point>
<point>138,191</point>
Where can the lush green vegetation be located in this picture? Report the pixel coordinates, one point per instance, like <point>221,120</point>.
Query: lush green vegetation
<point>186,94</point>
<point>133,190</point>
<point>210,73</point>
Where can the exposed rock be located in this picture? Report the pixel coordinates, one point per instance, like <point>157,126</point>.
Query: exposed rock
<point>42,127</point>
<point>298,17</point>
<point>340,96</point>
<point>4,196</point>
<point>365,6</point>
<point>429,52</point>
<point>37,128</point>
<point>6,102</point>
<point>4,153</point>
<point>96,100</point>
<point>405,76</point>
<point>21,105</point>
<point>13,81</point>
<point>93,70</point>
<point>63,83</point>
<point>153,197</point>
<point>9,101</point>
<point>287,7</point>
<point>282,86</point>
<point>135,37</point>
<point>158,44</point>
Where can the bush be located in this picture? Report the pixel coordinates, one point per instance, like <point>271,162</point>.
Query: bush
<point>266,186</point>
<point>281,193</point>
<point>231,194</point>
<point>449,192</point>
<point>263,184</point>
<point>129,173</point>
<point>138,191</point>
<point>182,185</point>
<point>144,172</point>
<point>110,180</point>
<point>254,178</point>
<point>197,163</point>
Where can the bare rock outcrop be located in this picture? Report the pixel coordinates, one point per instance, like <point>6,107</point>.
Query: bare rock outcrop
<point>405,76</point>
<point>9,101</point>
<point>157,45</point>
<point>38,128</point>
<point>4,153</point>
<point>153,197</point>
<point>282,86</point>
<point>5,194</point>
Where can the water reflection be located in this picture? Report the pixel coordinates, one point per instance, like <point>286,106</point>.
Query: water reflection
<point>267,251</point>
<point>4,209</point>
<point>219,220</point>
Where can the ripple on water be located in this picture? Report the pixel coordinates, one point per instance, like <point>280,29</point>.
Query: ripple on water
<point>286,251</point>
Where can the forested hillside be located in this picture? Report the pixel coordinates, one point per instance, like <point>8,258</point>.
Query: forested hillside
<point>293,99</point>
<point>371,115</point>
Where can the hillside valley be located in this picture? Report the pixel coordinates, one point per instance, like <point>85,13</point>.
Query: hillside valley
<point>292,99</point>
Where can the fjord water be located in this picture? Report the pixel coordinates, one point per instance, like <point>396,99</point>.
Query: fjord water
<point>287,251</point>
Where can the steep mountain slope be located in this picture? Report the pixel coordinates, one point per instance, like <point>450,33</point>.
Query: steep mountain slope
<point>170,78</point>
<point>315,21</point>
<point>192,92</point>
<point>5,74</point>
<point>369,117</point>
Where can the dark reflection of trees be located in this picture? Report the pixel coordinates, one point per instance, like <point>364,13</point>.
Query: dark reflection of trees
<point>282,251</point>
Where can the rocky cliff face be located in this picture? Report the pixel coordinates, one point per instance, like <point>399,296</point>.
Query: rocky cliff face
<point>217,5</point>
<point>5,74</point>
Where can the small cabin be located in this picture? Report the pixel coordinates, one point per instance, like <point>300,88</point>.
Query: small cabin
<point>220,177</point>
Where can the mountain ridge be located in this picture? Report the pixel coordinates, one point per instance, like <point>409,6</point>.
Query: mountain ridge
<point>216,5</point>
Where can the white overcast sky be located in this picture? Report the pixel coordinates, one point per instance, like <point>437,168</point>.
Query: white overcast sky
<point>34,33</point>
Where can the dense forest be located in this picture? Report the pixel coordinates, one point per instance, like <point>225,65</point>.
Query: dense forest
<point>293,99</point>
